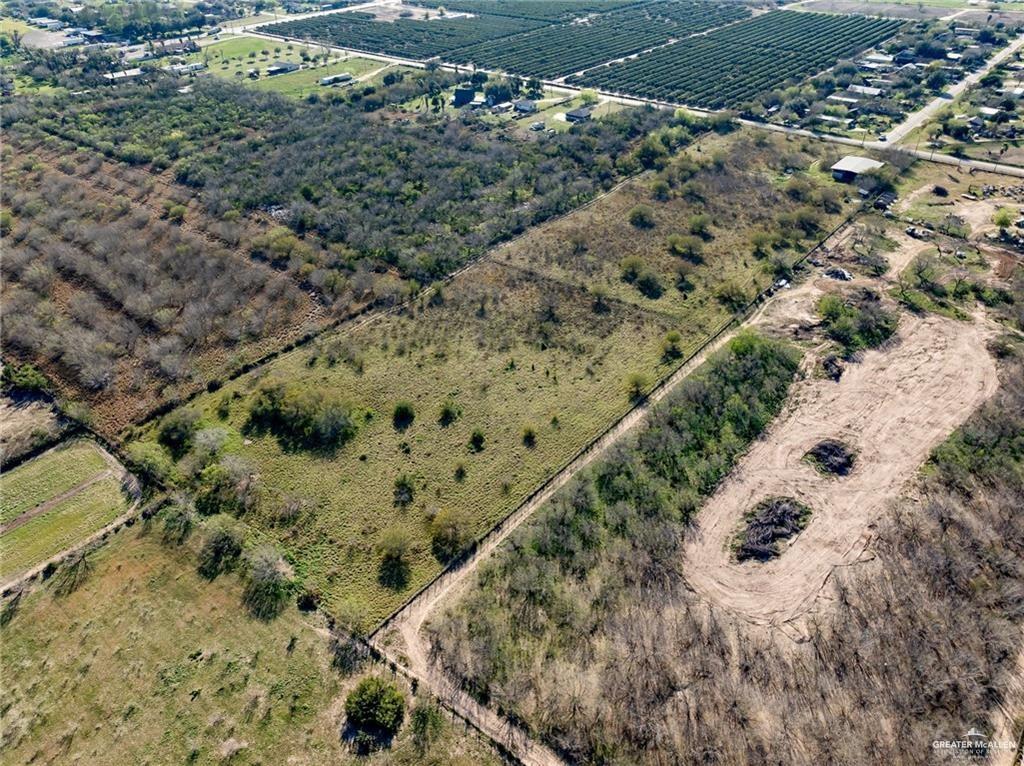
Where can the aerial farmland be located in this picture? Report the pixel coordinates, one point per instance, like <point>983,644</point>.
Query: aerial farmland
<point>511,381</point>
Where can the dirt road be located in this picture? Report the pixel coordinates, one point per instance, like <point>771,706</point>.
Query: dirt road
<point>893,408</point>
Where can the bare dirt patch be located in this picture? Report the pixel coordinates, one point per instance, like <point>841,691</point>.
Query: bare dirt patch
<point>25,424</point>
<point>892,409</point>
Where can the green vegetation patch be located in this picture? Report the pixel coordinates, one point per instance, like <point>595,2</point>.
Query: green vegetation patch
<point>454,411</point>
<point>858,321</point>
<point>47,476</point>
<point>147,661</point>
<point>68,522</point>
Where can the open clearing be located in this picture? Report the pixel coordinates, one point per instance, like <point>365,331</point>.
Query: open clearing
<point>892,408</point>
<point>56,501</point>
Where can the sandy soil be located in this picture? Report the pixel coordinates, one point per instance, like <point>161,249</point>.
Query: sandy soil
<point>893,408</point>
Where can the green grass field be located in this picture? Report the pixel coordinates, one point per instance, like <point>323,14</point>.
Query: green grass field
<point>301,84</point>
<point>510,351</point>
<point>62,526</point>
<point>149,663</point>
<point>46,476</point>
<point>233,57</point>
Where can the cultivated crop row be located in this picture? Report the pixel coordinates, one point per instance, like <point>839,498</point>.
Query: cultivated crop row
<point>404,37</point>
<point>571,47</point>
<point>542,10</point>
<point>732,65</point>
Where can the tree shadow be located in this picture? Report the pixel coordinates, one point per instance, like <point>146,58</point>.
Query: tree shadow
<point>394,573</point>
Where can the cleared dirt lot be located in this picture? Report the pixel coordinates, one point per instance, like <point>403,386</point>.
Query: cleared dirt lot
<point>892,409</point>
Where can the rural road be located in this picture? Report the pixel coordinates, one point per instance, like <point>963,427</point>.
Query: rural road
<point>921,116</point>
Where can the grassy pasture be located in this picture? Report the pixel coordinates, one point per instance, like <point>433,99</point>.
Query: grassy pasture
<point>233,57</point>
<point>510,351</point>
<point>48,475</point>
<point>302,83</point>
<point>62,526</point>
<point>149,663</point>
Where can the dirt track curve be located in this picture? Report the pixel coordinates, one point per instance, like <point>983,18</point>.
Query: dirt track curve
<point>892,409</point>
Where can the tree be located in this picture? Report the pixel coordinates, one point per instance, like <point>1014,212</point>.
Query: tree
<point>266,585</point>
<point>220,549</point>
<point>642,217</point>
<point>1003,218</point>
<point>179,520</point>
<point>177,430</point>
<point>376,707</point>
<point>476,440</point>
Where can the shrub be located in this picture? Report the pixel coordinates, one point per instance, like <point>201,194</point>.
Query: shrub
<point>700,225</point>
<point>427,724</point>
<point>449,534</point>
<point>221,547</point>
<point>529,437</point>
<point>24,377</point>
<point>151,460</point>
<point>649,285</point>
<point>394,547</point>
<point>225,487</point>
<point>266,585</point>
<point>301,417</point>
<point>476,440</point>
<point>688,247</point>
<point>449,414</point>
<point>642,217</point>
<point>732,295</point>
<point>405,490</point>
<point>672,346</point>
<point>177,430</point>
<point>631,268</point>
<point>179,520</point>
<point>403,416</point>
<point>636,386</point>
<point>858,323</point>
<point>376,707</point>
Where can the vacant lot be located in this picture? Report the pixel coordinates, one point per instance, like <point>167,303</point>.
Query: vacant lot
<point>533,353</point>
<point>507,352</point>
<point>55,501</point>
<point>149,662</point>
<point>892,409</point>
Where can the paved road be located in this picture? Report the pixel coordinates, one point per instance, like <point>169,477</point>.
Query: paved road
<point>921,116</point>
